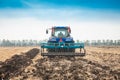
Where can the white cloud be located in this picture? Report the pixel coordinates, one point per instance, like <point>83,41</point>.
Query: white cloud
<point>85,24</point>
<point>60,14</point>
<point>32,28</point>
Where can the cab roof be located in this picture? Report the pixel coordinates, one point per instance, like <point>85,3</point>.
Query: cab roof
<point>61,27</point>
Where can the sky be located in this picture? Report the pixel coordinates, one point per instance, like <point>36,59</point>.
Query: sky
<point>88,19</point>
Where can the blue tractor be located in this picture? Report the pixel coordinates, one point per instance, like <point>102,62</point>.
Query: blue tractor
<point>61,43</point>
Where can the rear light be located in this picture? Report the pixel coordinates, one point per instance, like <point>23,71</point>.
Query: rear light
<point>69,30</point>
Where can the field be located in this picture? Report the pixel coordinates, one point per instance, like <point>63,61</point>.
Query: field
<point>25,63</point>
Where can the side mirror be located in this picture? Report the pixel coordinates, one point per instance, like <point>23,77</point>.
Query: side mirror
<point>46,31</point>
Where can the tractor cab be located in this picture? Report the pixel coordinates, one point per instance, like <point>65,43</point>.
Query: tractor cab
<point>61,32</point>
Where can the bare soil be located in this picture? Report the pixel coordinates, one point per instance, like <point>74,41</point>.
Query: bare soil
<point>100,63</point>
<point>8,52</point>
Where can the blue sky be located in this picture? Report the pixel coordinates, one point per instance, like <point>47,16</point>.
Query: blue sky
<point>95,19</point>
<point>101,4</point>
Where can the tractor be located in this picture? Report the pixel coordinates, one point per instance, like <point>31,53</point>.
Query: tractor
<point>61,43</point>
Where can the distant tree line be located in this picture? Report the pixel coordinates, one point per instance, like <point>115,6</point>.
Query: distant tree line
<point>102,42</point>
<point>21,43</point>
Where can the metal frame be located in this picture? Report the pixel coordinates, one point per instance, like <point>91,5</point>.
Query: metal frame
<point>62,45</point>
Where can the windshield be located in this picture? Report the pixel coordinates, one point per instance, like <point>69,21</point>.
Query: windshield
<point>60,32</point>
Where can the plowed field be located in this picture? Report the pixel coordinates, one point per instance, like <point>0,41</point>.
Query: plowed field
<point>26,63</point>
